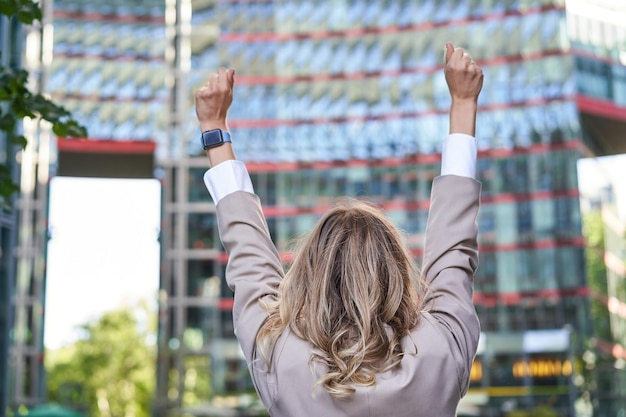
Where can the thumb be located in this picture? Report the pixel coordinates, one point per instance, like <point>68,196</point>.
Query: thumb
<point>449,51</point>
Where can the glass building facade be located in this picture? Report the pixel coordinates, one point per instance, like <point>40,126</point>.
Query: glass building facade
<point>109,67</point>
<point>348,98</point>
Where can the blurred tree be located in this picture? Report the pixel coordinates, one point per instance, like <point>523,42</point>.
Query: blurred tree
<point>593,230</point>
<point>18,102</point>
<point>108,373</point>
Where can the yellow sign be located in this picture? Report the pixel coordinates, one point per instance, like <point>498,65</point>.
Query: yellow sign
<point>532,368</point>
<point>476,374</point>
<point>542,368</point>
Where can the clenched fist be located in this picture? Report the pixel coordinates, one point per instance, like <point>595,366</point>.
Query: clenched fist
<point>214,99</point>
<point>464,77</point>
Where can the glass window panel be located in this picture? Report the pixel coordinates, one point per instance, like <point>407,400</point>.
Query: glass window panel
<point>285,232</point>
<point>487,224</point>
<point>305,222</point>
<point>525,221</point>
<point>203,279</point>
<point>570,264</point>
<point>543,219</point>
<point>415,226</point>
<point>530,33</point>
<point>487,273</point>
<point>197,190</point>
<point>202,231</point>
<point>506,228</point>
<point>508,280</point>
<point>410,182</point>
<point>546,268</point>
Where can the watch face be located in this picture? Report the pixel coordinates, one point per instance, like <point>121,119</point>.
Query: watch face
<point>212,138</point>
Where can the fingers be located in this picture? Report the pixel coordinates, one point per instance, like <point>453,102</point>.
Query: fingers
<point>214,99</point>
<point>223,78</point>
<point>456,54</point>
<point>457,58</point>
<point>218,84</point>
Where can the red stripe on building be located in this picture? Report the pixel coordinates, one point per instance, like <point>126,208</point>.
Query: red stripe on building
<point>599,107</point>
<point>113,18</point>
<point>106,146</point>
<point>225,303</point>
<point>516,297</point>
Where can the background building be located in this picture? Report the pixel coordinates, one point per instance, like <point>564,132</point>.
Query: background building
<point>24,259</point>
<point>106,64</point>
<point>348,98</point>
<point>10,37</point>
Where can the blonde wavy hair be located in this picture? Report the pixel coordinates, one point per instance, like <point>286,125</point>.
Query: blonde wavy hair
<point>352,291</point>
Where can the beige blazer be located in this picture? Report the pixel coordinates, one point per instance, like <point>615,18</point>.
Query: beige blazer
<point>429,383</point>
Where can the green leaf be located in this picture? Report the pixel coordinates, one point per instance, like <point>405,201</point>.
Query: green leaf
<point>4,94</point>
<point>13,83</point>
<point>5,84</point>
<point>75,130</point>
<point>7,122</point>
<point>21,109</point>
<point>45,108</point>
<point>17,81</point>
<point>8,7</point>
<point>28,11</point>
<point>69,128</point>
<point>60,129</point>
<point>18,140</point>
<point>7,187</point>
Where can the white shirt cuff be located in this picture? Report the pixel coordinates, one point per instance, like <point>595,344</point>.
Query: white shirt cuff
<point>458,155</point>
<point>226,178</point>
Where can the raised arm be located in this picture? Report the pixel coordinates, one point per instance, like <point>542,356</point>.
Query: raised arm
<point>451,249</point>
<point>254,269</point>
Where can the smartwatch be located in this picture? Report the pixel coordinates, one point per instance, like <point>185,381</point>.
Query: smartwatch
<point>215,137</point>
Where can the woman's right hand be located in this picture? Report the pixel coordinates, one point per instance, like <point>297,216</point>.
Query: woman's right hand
<point>463,75</point>
<point>465,80</point>
<point>214,98</point>
<point>212,103</point>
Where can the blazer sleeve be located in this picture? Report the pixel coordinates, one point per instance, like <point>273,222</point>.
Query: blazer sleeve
<point>254,270</point>
<point>450,261</point>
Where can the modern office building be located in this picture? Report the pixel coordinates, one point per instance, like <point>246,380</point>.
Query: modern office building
<point>24,232</point>
<point>348,98</point>
<point>105,62</point>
